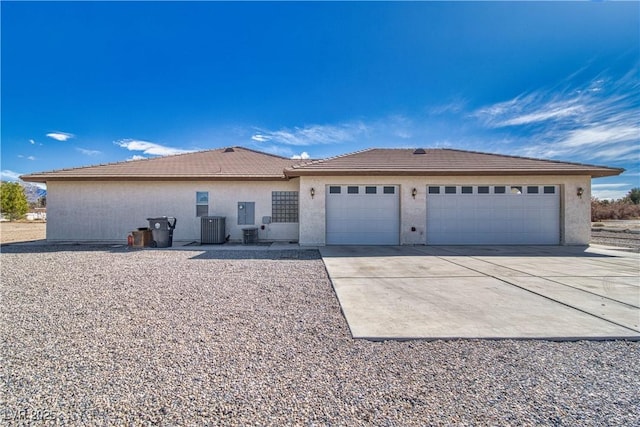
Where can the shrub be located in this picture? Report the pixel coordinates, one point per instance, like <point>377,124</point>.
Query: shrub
<point>619,209</point>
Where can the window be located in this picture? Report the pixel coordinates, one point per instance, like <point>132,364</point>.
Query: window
<point>516,189</point>
<point>549,189</point>
<point>434,190</point>
<point>389,190</point>
<point>334,189</point>
<point>284,206</point>
<point>532,189</point>
<point>499,190</point>
<point>370,190</point>
<point>202,203</point>
<point>449,190</point>
<point>352,189</point>
<point>467,190</point>
<point>483,189</point>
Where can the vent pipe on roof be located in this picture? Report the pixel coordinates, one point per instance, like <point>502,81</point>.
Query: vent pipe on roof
<point>229,150</point>
<point>419,151</point>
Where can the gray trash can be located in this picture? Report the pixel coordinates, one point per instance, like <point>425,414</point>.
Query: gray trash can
<point>162,231</point>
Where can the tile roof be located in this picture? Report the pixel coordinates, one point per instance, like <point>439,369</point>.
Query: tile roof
<point>441,161</point>
<point>235,163</point>
<point>238,163</point>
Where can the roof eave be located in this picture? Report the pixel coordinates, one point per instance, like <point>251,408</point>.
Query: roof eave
<point>594,173</point>
<point>45,178</point>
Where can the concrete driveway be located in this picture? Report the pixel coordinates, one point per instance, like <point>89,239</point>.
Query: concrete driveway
<point>531,292</point>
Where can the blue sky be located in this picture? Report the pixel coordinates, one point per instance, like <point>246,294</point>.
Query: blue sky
<point>86,82</point>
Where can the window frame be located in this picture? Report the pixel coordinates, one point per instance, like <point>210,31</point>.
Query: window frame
<point>201,204</point>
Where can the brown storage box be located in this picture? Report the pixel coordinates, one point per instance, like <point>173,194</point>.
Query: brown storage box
<point>141,238</point>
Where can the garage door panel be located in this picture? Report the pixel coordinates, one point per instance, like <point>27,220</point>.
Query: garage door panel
<point>493,218</point>
<point>363,219</point>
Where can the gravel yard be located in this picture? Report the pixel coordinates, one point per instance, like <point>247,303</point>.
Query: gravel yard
<point>111,336</point>
<point>618,238</point>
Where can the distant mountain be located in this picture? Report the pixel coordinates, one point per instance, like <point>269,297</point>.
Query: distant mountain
<point>33,192</point>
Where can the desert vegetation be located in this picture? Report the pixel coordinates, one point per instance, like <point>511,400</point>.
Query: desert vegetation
<point>626,208</point>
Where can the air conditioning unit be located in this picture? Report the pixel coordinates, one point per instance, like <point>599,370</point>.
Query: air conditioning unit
<point>212,230</point>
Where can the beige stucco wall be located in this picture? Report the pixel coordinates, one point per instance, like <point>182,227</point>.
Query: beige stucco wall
<point>108,211</point>
<point>574,218</point>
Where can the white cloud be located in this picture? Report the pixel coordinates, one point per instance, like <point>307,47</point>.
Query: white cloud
<point>609,194</point>
<point>528,109</point>
<point>453,107</point>
<point>31,158</point>
<point>149,148</point>
<point>135,157</point>
<point>9,175</point>
<point>598,120</point>
<point>260,138</point>
<point>87,152</point>
<point>60,136</point>
<point>396,125</point>
<point>403,134</point>
<point>551,113</point>
<point>302,156</point>
<point>618,185</point>
<point>311,135</point>
<point>32,142</point>
<point>605,134</point>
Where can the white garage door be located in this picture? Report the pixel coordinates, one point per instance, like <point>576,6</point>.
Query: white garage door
<point>363,215</point>
<point>494,214</point>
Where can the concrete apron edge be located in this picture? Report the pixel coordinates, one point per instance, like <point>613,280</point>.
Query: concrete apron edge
<point>566,304</point>
<point>476,338</point>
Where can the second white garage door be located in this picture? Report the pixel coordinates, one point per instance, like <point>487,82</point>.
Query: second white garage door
<point>493,215</point>
<point>363,215</point>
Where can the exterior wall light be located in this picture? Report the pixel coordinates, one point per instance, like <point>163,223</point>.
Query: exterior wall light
<point>312,192</point>
<point>580,192</point>
<point>414,192</point>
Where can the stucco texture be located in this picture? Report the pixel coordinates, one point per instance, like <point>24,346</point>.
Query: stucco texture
<point>574,210</point>
<point>110,210</point>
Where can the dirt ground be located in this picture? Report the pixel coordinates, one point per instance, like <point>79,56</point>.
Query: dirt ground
<point>11,232</point>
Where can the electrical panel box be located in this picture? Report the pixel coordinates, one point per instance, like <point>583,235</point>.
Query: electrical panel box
<point>246,213</point>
